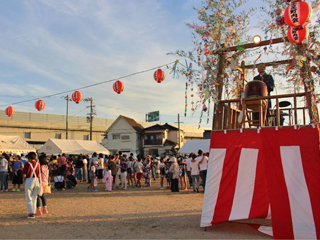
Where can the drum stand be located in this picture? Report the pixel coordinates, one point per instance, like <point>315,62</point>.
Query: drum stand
<point>255,109</point>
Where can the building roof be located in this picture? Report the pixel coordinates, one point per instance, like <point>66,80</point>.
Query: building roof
<point>163,127</point>
<point>168,142</point>
<point>138,127</point>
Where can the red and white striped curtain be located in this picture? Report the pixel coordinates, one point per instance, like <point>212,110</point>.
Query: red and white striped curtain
<point>267,173</point>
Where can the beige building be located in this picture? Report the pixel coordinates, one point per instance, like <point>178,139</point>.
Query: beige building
<point>37,128</point>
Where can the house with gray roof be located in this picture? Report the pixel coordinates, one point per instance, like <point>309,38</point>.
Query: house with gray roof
<point>161,139</point>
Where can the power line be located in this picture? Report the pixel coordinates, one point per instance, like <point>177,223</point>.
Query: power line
<point>88,86</point>
<point>74,114</point>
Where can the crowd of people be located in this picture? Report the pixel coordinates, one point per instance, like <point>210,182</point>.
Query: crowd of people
<point>118,171</point>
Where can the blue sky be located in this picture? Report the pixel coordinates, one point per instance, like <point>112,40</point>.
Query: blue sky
<point>50,46</point>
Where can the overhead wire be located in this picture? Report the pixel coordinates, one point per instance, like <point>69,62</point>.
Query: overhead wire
<point>74,114</point>
<point>88,86</point>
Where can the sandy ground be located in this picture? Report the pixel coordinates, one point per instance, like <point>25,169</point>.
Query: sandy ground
<point>147,213</point>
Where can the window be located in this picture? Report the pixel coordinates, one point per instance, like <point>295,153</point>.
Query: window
<point>115,136</point>
<point>85,137</point>
<point>153,139</point>
<point>27,135</point>
<point>125,137</point>
<point>58,136</point>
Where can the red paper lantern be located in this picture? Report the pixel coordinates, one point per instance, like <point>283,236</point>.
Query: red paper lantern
<point>40,105</point>
<point>159,75</point>
<point>298,14</point>
<point>298,36</point>
<point>9,111</point>
<point>118,87</point>
<point>76,97</point>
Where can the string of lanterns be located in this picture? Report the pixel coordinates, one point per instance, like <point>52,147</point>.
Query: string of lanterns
<point>118,87</point>
<point>297,16</point>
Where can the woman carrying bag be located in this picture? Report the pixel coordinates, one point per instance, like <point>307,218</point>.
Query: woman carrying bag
<point>31,171</point>
<point>44,176</point>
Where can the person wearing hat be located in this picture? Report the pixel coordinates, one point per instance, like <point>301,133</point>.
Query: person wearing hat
<point>92,176</point>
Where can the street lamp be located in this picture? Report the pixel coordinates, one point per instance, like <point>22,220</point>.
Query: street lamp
<point>256,39</point>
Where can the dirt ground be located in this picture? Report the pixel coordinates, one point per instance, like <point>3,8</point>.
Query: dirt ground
<point>147,213</point>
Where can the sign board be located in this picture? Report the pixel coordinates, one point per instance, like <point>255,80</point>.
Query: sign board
<point>153,116</point>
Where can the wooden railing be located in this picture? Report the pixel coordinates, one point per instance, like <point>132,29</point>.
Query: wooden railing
<point>227,115</point>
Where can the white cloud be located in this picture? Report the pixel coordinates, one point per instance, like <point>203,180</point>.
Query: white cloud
<point>59,45</point>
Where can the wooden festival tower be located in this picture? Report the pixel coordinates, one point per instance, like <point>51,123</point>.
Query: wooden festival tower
<point>226,116</point>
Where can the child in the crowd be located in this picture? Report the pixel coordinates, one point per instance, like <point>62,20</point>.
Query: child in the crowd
<point>70,180</point>
<point>59,182</point>
<point>92,176</point>
<point>147,173</point>
<point>108,179</point>
<point>162,172</point>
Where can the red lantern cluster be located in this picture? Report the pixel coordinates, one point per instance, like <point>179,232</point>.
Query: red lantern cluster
<point>76,97</point>
<point>40,105</point>
<point>297,15</point>
<point>9,111</point>
<point>159,76</point>
<point>118,87</point>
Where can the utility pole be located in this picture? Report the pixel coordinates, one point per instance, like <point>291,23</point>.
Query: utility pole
<point>67,115</point>
<point>179,130</point>
<point>90,115</point>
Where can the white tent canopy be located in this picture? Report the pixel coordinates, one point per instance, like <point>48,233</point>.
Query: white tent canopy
<point>14,144</point>
<point>57,146</point>
<point>192,146</point>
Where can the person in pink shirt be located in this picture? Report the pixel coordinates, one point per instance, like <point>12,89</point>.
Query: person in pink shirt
<point>44,177</point>
<point>62,161</point>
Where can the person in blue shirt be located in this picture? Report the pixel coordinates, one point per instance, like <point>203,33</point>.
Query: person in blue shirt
<point>17,174</point>
<point>123,167</point>
<point>23,159</point>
